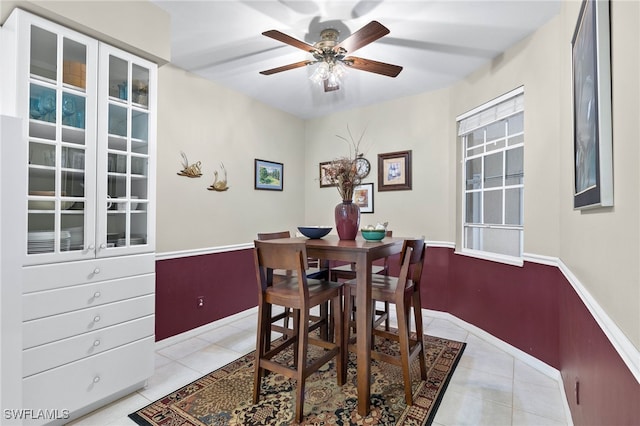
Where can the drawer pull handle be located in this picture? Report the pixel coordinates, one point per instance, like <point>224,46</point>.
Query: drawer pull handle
<point>96,343</point>
<point>96,294</point>
<point>91,247</point>
<point>96,318</point>
<point>96,379</point>
<point>103,246</point>
<point>96,271</point>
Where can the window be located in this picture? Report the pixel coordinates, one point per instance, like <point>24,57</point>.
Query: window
<point>492,139</point>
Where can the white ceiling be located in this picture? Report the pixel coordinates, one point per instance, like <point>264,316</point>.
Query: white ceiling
<point>437,42</point>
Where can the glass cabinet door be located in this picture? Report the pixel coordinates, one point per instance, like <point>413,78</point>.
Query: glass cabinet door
<point>125,142</point>
<point>60,215</point>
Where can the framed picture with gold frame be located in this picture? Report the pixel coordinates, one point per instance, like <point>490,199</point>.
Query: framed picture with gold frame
<point>394,171</point>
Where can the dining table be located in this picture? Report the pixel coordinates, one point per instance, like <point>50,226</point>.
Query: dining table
<point>362,253</point>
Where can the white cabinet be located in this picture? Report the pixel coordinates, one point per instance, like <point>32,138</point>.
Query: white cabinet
<point>81,218</point>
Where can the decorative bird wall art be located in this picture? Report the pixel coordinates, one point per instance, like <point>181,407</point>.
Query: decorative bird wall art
<point>189,170</point>
<point>219,185</point>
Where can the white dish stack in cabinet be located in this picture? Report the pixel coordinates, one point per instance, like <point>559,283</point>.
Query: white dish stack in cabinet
<point>81,219</point>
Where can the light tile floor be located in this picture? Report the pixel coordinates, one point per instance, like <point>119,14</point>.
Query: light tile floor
<point>489,386</point>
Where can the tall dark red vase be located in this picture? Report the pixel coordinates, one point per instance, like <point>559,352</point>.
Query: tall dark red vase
<point>347,216</point>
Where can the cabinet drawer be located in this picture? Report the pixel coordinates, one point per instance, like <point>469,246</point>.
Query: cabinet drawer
<point>45,357</point>
<point>76,385</point>
<point>45,330</point>
<point>47,277</point>
<point>52,302</point>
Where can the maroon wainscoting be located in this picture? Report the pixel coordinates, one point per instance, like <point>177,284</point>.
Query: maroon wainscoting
<point>226,280</point>
<point>533,308</point>
<point>608,394</point>
<point>516,304</point>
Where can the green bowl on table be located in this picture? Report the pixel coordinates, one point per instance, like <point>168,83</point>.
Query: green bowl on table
<point>373,234</point>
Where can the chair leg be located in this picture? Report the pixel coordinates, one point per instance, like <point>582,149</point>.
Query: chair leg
<point>296,332</point>
<point>403,332</point>
<point>264,319</point>
<point>285,323</point>
<point>387,322</point>
<point>417,317</point>
<point>303,341</point>
<point>346,323</point>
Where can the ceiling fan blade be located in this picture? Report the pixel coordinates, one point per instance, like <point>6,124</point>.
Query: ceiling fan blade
<point>328,88</point>
<point>277,35</point>
<point>287,67</point>
<point>365,35</point>
<point>373,66</point>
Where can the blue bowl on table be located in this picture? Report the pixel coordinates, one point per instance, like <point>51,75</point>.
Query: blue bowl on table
<point>373,234</point>
<point>314,232</point>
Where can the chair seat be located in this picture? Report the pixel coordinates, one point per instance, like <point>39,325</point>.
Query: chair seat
<point>287,293</point>
<point>383,287</point>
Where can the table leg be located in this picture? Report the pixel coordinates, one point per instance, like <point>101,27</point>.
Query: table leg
<point>363,330</point>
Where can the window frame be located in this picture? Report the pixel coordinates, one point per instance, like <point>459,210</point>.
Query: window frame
<point>503,187</point>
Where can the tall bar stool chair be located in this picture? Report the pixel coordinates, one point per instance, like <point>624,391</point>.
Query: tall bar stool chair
<point>348,272</point>
<point>404,292</point>
<point>322,320</point>
<point>299,293</point>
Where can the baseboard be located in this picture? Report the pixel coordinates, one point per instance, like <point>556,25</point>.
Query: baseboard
<point>204,328</point>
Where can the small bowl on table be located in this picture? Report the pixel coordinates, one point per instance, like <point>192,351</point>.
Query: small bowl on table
<point>314,232</point>
<point>373,234</point>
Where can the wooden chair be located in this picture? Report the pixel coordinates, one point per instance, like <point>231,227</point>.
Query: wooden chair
<point>322,320</point>
<point>404,292</point>
<point>348,272</point>
<point>299,293</point>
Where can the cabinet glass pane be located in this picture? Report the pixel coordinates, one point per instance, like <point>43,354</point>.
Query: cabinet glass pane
<point>73,223</point>
<point>138,228</point>
<point>493,170</point>
<point>41,154</point>
<point>73,110</point>
<point>513,206</point>
<point>140,89</point>
<point>474,173</point>
<point>74,68</point>
<point>139,166</point>
<point>515,166</point>
<point>117,120</point>
<point>44,52</point>
<point>473,207</point>
<point>42,103</point>
<point>118,78</point>
<point>117,187</point>
<point>41,179</point>
<point>139,187</point>
<point>72,183</point>
<point>116,163</point>
<point>139,131</point>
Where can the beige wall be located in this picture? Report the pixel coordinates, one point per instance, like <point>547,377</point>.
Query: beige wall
<point>602,247</point>
<point>417,123</point>
<point>212,124</point>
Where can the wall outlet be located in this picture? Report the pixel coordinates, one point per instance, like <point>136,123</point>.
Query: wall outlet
<point>200,301</point>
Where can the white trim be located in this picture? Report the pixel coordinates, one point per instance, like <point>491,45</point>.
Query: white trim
<point>442,244</point>
<point>201,251</point>
<point>493,257</point>
<point>541,259</point>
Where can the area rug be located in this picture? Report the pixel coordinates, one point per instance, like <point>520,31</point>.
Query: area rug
<point>223,397</point>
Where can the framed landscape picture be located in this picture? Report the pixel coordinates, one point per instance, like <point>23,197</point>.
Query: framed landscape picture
<point>363,197</point>
<point>268,175</point>
<point>592,132</point>
<point>394,171</point>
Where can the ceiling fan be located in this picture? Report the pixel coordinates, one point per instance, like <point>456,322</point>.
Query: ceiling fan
<point>330,55</point>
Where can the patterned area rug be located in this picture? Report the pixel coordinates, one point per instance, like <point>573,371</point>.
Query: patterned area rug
<point>223,397</point>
